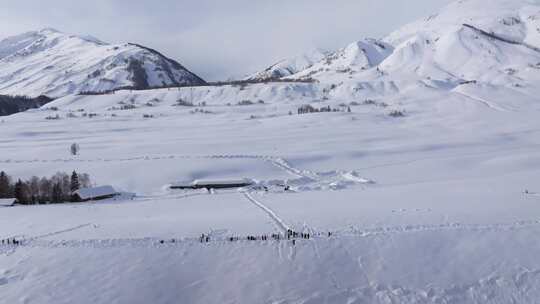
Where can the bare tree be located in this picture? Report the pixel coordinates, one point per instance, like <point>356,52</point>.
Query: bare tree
<point>84,180</point>
<point>45,190</point>
<point>33,189</point>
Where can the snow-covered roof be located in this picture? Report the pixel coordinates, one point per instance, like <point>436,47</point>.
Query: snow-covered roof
<point>89,193</point>
<point>204,183</point>
<point>201,182</point>
<point>6,201</point>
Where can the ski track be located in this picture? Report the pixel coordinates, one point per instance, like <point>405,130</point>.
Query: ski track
<point>137,158</point>
<point>482,101</point>
<point>278,162</point>
<point>61,231</point>
<point>280,224</point>
<point>332,275</point>
<point>286,166</point>
<point>38,241</point>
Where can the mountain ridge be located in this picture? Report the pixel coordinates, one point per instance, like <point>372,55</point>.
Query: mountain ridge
<point>466,40</point>
<point>49,62</point>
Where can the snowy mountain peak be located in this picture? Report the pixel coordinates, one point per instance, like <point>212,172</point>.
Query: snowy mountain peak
<point>357,56</point>
<point>288,67</point>
<point>354,58</point>
<point>48,30</point>
<point>512,18</point>
<point>53,63</point>
<point>495,42</point>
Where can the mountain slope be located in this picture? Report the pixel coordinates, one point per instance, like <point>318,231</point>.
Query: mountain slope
<point>495,42</point>
<point>290,66</point>
<point>357,56</point>
<point>492,42</point>
<point>55,64</point>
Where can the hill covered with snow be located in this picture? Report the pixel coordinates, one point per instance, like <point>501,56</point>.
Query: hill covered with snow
<point>496,43</point>
<point>49,62</point>
<point>420,186</point>
<point>288,67</point>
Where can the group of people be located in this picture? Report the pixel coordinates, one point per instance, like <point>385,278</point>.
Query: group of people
<point>275,236</point>
<point>295,235</point>
<point>205,238</point>
<point>11,241</point>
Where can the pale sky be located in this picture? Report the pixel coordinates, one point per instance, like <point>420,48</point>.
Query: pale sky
<point>218,39</point>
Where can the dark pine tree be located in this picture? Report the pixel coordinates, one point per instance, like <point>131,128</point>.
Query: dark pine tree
<point>75,184</point>
<point>5,185</point>
<point>20,194</point>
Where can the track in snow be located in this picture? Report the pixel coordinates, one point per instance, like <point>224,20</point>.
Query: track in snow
<point>482,101</point>
<point>283,164</point>
<point>279,162</point>
<point>149,242</point>
<point>137,158</point>
<point>277,220</point>
<point>62,231</point>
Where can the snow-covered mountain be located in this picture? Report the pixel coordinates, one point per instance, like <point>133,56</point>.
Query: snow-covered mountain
<point>496,43</point>
<point>49,62</point>
<point>420,186</point>
<point>356,57</point>
<point>290,66</point>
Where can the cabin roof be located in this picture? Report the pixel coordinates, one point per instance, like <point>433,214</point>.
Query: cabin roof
<point>89,193</point>
<point>222,182</point>
<point>7,201</point>
<point>202,182</point>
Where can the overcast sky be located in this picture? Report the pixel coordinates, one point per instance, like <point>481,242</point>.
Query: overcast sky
<point>218,39</point>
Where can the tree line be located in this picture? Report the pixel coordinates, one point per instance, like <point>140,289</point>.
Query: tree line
<point>56,189</point>
<point>306,109</point>
<point>240,83</point>
<point>14,104</point>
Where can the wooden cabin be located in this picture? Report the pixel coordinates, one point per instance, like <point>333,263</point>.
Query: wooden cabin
<point>7,202</point>
<point>95,193</point>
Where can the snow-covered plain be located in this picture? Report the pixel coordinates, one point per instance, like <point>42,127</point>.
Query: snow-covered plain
<point>425,208</point>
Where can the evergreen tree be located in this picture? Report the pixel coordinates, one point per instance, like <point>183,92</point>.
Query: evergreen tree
<point>5,185</point>
<point>75,184</point>
<point>20,194</point>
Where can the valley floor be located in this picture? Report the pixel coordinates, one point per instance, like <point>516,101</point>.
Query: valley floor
<point>427,208</point>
